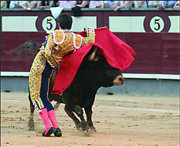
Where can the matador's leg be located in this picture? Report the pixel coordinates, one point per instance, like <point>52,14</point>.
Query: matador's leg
<point>35,83</point>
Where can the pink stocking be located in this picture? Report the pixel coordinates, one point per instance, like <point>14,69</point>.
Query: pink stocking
<point>52,117</point>
<point>44,116</point>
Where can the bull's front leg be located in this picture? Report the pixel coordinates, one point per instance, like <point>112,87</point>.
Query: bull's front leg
<point>73,117</point>
<point>89,112</point>
<point>78,110</point>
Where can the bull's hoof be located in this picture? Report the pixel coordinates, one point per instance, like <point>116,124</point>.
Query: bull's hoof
<point>81,128</point>
<point>84,130</point>
<point>31,125</point>
<point>92,129</point>
<point>78,127</point>
<point>84,133</point>
<point>84,126</point>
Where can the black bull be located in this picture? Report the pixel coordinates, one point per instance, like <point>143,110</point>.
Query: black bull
<point>93,73</point>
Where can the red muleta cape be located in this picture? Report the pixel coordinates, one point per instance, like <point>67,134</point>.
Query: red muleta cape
<point>117,53</point>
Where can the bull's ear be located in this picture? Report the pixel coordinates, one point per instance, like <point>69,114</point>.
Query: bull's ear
<point>93,56</point>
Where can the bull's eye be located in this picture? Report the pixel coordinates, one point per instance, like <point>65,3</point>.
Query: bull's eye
<point>120,79</point>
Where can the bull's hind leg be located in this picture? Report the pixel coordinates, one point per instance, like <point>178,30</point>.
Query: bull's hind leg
<point>73,117</point>
<point>31,117</point>
<point>56,106</point>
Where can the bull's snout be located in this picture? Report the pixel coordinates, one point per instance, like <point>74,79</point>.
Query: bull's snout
<point>119,80</point>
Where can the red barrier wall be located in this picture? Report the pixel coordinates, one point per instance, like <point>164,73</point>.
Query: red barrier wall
<point>157,53</point>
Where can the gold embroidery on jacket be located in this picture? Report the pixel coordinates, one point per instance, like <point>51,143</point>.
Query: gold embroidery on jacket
<point>54,52</point>
<point>35,79</point>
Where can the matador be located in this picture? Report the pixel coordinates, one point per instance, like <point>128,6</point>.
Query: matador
<point>58,44</point>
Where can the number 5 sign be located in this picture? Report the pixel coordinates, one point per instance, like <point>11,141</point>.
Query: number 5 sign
<point>157,23</point>
<point>49,23</point>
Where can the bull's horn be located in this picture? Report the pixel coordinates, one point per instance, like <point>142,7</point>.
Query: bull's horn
<point>92,56</point>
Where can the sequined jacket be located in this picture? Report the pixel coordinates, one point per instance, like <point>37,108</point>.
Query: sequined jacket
<point>62,42</point>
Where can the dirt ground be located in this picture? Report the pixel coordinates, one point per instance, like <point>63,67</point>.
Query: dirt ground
<point>119,120</point>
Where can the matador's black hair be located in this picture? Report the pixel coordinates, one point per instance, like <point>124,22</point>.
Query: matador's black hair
<point>65,21</point>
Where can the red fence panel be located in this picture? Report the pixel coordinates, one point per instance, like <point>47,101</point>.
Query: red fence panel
<point>154,36</point>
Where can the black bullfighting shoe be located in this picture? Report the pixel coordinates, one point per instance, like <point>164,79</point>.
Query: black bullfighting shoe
<point>48,134</point>
<point>57,132</point>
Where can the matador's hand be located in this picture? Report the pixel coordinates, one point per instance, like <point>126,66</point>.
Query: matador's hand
<point>89,30</point>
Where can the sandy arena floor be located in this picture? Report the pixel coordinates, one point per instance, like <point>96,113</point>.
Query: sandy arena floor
<point>119,120</point>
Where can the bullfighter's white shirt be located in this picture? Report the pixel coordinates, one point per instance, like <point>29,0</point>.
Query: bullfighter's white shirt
<point>13,3</point>
<point>66,4</point>
<point>154,3</point>
<point>144,5</point>
<point>94,4</point>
